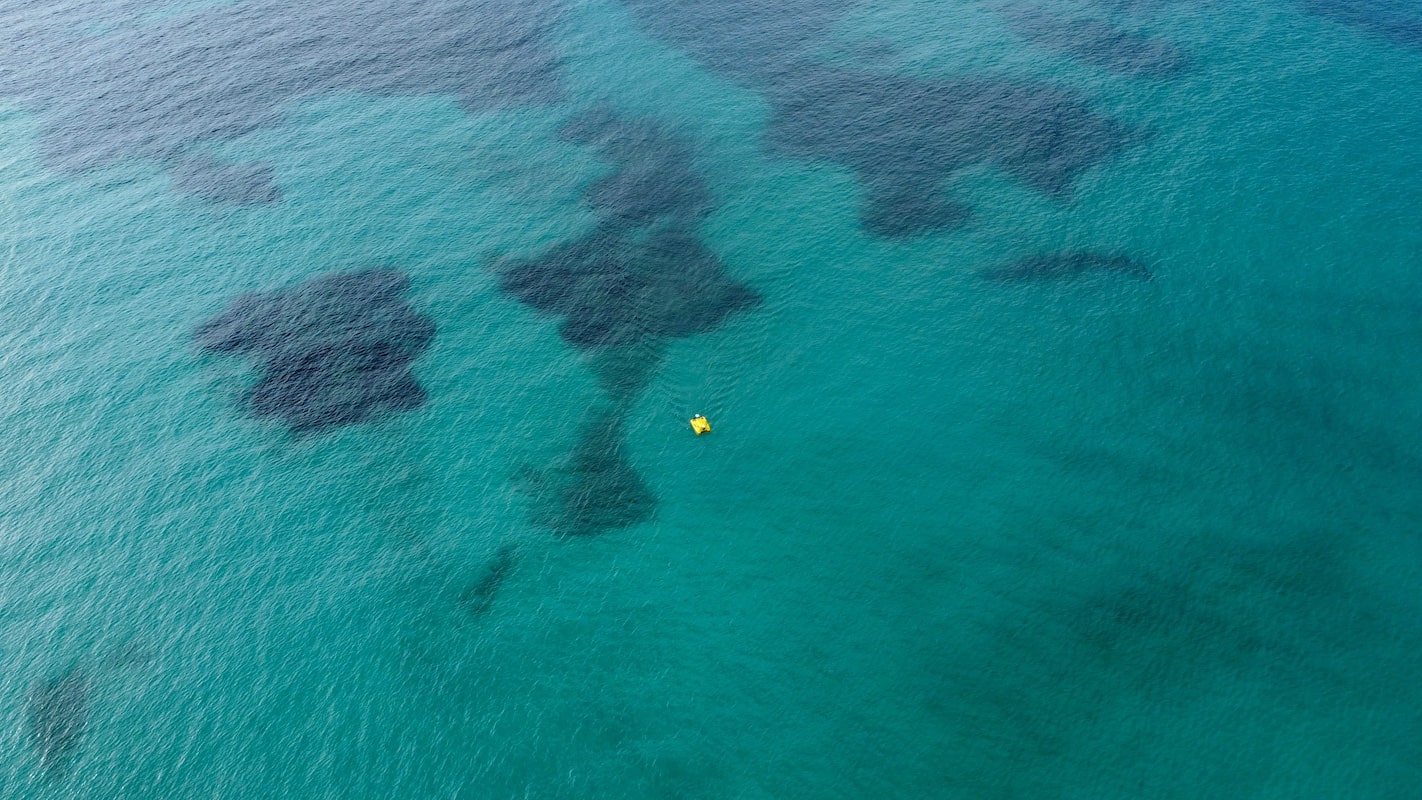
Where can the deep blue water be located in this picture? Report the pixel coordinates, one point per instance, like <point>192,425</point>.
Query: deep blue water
<point>1063,359</point>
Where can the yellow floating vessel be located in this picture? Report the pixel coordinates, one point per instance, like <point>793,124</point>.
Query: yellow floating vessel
<point>700,424</point>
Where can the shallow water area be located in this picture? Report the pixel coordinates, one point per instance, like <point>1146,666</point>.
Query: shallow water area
<point>1065,449</point>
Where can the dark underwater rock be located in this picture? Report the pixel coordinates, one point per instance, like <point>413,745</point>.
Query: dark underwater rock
<point>335,350</point>
<point>207,178</point>
<point>1060,266</point>
<point>58,712</point>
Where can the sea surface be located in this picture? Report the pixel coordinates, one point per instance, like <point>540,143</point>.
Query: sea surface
<point>1064,359</point>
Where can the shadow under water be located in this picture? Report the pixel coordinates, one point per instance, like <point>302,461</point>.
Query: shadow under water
<point>335,350</point>
<point>479,596</point>
<point>58,710</point>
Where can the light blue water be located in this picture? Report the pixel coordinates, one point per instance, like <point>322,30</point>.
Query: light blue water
<point>1086,537</point>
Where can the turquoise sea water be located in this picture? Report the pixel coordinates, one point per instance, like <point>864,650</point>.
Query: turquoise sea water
<point>1083,536</point>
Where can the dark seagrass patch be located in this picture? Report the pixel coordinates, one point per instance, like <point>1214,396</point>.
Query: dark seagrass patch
<point>902,135</point>
<point>109,82</point>
<point>333,351</point>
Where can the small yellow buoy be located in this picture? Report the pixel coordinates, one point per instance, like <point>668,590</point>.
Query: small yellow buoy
<point>700,425</point>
